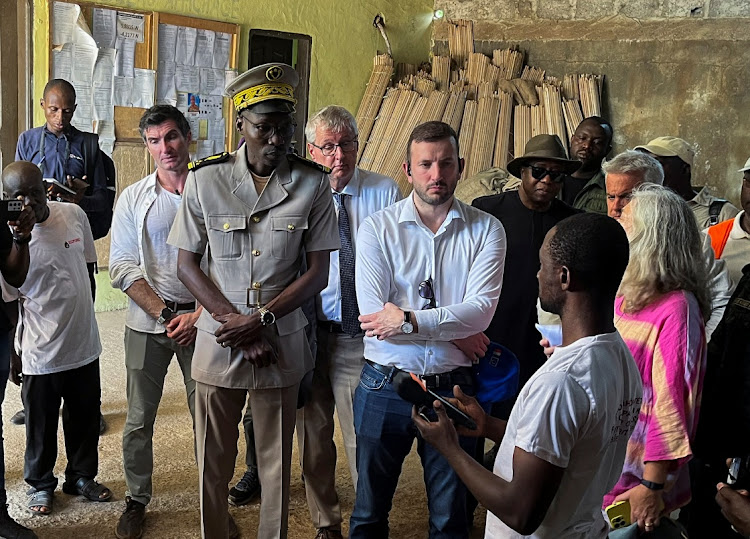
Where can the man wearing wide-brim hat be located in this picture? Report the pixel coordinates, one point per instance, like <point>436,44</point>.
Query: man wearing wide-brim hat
<point>253,212</point>
<point>527,215</point>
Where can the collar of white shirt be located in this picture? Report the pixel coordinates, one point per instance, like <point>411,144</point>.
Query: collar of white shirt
<point>353,187</point>
<point>409,214</point>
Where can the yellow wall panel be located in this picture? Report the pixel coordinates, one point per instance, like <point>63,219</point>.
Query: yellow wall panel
<point>343,38</point>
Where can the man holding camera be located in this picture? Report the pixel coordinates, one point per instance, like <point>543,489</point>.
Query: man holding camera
<point>14,265</point>
<point>58,339</point>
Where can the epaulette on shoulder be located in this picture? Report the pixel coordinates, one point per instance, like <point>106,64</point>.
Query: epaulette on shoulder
<point>313,164</point>
<point>210,160</point>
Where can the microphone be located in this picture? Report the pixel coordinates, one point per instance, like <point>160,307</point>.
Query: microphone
<point>410,388</point>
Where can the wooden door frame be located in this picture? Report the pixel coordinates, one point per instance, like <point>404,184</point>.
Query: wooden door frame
<point>302,93</point>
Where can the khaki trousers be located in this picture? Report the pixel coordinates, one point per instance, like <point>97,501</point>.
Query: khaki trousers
<point>218,411</point>
<point>147,359</point>
<point>338,366</point>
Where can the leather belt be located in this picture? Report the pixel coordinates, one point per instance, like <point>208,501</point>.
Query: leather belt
<point>445,380</point>
<point>330,327</point>
<point>174,306</point>
<point>334,327</point>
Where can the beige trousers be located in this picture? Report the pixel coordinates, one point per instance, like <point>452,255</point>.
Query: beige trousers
<point>338,366</point>
<point>218,411</point>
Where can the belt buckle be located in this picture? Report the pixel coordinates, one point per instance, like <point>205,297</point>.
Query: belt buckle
<point>430,381</point>
<point>254,305</point>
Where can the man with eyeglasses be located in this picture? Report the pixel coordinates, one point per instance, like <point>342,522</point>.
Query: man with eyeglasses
<point>254,212</point>
<point>428,250</point>
<point>332,142</point>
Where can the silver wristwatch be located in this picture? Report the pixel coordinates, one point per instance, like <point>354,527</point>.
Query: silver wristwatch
<point>407,326</point>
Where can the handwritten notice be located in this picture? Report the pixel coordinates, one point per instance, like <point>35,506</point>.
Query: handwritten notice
<point>130,26</point>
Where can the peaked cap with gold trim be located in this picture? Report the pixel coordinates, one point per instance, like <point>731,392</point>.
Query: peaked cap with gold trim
<point>264,89</point>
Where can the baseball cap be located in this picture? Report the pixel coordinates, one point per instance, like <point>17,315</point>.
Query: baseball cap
<point>670,147</point>
<point>746,167</point>
<point>496,375</point>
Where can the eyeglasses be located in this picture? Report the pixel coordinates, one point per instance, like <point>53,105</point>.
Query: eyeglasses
<point>539,173</point>
<point>265,131</point>
<point>330,149</point>
<point>426,291</point>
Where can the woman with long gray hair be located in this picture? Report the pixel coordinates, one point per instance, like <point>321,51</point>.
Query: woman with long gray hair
<point>660,312</point>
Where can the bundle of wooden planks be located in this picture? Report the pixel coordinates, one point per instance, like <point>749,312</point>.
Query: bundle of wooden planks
<point>494,104</point>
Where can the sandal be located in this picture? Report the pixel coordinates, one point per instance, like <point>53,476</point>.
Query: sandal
<point>40,502</point>
<point>89,489</point>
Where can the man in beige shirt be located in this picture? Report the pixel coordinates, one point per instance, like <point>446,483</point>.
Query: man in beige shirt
<point>255,209</point>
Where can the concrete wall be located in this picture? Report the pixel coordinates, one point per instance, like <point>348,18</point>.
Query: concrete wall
<point>343,38</point>
<point>673,67</point>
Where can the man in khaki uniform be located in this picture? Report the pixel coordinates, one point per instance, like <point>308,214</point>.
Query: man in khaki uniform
<point>255,209</point>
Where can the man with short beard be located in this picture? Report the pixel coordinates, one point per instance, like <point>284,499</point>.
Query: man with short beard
<point>590,144</point>
<point>428,274</point>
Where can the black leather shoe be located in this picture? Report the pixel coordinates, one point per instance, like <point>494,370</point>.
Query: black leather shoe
<point>130,525</point>
<point>19,418</point>
<point>11,529</point>
<point>246,490</point>
<point>327,533</point>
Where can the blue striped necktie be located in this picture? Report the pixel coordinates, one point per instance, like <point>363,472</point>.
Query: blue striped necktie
<point>349,308</point>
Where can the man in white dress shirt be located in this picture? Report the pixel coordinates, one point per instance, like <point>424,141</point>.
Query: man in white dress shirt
<point>332,141</point>
<point>161,317</point>
<point>429,271</point>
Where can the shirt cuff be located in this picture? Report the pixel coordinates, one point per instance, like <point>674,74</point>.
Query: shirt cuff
<point>427,322</point>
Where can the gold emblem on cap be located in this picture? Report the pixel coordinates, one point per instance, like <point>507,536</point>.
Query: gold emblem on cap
<point>274,73</point>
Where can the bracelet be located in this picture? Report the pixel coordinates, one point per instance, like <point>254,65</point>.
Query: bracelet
<point>651,485</point>
<point>21,241</point>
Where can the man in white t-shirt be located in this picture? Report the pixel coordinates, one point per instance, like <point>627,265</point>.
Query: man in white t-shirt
<point>161,314</point>
<point>564,444</point>
<point>59,340</point>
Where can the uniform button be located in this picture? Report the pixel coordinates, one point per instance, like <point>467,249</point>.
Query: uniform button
<point>256,252</point>
<point>430,352</point>
<point>290,226</point>
<point>226,226</point>
<point>256,219</point>
<point>256,285</point>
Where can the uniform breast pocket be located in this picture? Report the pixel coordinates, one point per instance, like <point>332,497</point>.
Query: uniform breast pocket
<point>225,235</point>
<point>286,235</point>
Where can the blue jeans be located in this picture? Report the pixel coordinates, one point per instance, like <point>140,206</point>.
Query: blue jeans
<point>385,434</point>
<point>4,370</point>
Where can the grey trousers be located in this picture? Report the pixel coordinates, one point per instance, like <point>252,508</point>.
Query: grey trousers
<point>147,358</point>
<point>217,414</point>
<point>338,366</point>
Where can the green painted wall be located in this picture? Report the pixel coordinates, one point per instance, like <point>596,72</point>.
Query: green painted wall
<point>343,45</point>
<point>343,38</point>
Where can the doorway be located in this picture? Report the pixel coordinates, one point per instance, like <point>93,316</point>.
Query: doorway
<point>267,46</point>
